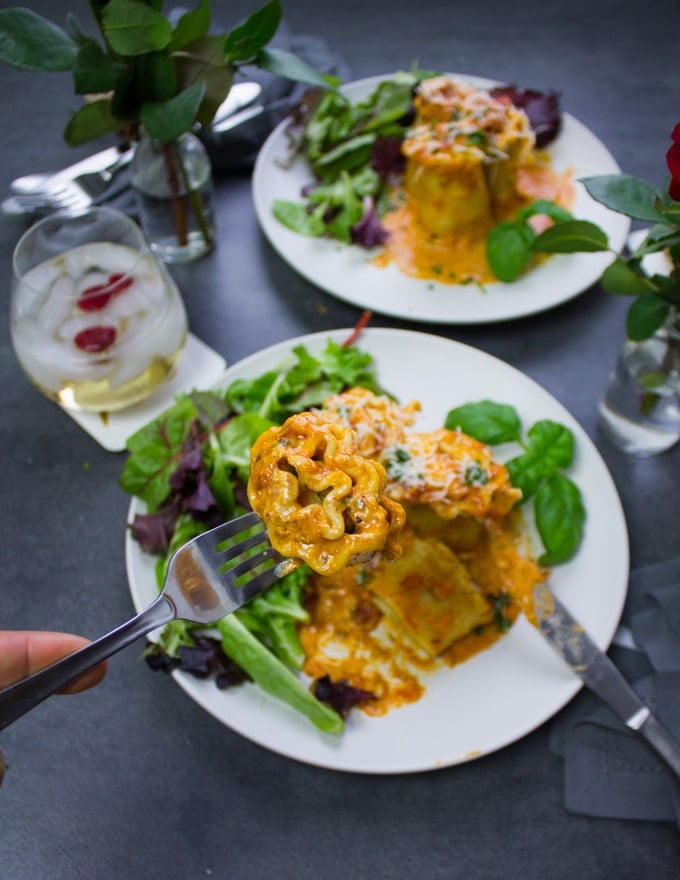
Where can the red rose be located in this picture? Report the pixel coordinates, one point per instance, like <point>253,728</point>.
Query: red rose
<point>673,162</point>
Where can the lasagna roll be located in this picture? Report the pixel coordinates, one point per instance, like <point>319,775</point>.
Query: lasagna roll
<point>463,154</point>
<point>376,419</point>
<point>445,179</point>
<point>321,500</point>
<point>453,473</point>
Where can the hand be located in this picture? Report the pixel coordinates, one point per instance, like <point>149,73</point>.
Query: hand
<point>22,653</point>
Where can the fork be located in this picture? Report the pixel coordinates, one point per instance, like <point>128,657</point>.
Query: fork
<point>68,190</point>
<point>76,187</point>
<point>209,577</point>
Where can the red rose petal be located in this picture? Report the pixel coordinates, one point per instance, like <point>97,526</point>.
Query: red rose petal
<point>95,338</point>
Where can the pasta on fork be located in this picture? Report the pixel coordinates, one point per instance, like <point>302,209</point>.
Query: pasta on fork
<point>321,500</point>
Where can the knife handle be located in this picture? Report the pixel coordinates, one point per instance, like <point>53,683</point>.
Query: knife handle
<point>660,739</point>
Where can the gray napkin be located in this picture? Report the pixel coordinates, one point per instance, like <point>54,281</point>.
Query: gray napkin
<point>609,771</point>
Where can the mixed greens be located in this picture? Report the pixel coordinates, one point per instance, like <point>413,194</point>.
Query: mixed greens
<point>354,153</point>
<point>190,468</point>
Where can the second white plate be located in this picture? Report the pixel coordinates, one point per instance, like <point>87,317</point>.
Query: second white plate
<point>346,271</point>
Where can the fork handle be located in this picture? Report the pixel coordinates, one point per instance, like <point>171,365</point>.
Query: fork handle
<point>18,698</point>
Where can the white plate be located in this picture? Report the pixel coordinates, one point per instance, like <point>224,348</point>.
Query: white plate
<point>345,271</point>
<point>496,697</point>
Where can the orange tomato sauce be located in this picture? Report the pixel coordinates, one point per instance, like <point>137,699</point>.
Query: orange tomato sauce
<point>350,639</point>
<point>460,258</point>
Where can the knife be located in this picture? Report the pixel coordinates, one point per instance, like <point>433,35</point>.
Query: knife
<point>600,675</point>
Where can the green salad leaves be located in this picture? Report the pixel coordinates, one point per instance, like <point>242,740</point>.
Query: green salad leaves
<point>354,153</point>
<point>190,468</point>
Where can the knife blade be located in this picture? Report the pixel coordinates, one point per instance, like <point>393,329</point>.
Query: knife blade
<point>568,637</point>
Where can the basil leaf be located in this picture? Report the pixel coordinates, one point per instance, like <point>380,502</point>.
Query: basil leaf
<point>31,42</point>
<point>486,421</point>
<point>552,444</point>
<point>508,249</point>
<point>560,518</point>
<point>570,237</point>
<point>526,474</point>
<point>544,206</point>
<point>550,447</point>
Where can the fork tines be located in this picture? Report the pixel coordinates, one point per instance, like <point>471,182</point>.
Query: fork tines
<point>250,559</point>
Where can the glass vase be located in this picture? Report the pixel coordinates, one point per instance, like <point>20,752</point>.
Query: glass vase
<point>640,411</point>
<point>174,191</point>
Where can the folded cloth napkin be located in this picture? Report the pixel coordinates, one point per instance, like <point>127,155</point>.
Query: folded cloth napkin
<point>237,149</point>
<point>609,771</point>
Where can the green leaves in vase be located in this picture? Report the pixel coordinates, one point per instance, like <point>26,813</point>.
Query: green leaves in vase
<point>143,69</point>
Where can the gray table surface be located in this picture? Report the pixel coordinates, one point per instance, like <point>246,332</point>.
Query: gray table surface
<point>133,780</point>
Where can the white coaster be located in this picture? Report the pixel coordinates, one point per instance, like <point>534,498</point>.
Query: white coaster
<point>199,367</point>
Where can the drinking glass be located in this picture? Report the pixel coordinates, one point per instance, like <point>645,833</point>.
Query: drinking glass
<point>97,322</point>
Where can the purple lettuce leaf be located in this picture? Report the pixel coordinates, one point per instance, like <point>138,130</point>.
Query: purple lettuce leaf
<point>542,108</point>
<point>387,158</point>
<point>153,531</point>
<point>369,231</point>
<point>340,695</point>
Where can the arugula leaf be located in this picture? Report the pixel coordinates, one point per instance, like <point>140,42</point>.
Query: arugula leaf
<point>304,380</point>
<point>274,616</point>
<point>236,439</point>
<point>296,217</point>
